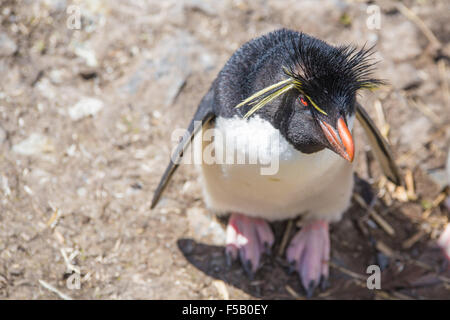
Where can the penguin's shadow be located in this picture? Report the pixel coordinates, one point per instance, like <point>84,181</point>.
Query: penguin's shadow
<point>351,249</point>
<point>270,280</point>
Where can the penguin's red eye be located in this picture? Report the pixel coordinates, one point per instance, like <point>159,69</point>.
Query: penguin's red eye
<point>303,101</point>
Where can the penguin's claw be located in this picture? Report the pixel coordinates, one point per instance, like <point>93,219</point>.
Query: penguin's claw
<point>230,255</point>
<point>312,286</point>
<point>250,237</point>
<point>248,269</point>
<point>309,253</point>
<point>292,267</point>
<point>267,249</point>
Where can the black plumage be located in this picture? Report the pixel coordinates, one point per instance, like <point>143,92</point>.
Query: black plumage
<point>325,71</point>
<point>329,76</point>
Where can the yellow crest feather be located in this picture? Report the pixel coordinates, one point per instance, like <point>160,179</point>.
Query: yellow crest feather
<point>258,100</point>
<point>267,99</point>
<point>261,92</point>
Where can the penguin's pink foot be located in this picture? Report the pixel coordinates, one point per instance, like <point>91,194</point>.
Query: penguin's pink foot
<point>249,238</point>
<point>444,241</point>
<point>309,253</point>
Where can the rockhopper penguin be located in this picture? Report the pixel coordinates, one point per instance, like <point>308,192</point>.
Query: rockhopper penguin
<point>301,90</point>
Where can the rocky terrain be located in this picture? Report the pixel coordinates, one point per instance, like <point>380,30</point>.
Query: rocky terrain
<point>90,94</point>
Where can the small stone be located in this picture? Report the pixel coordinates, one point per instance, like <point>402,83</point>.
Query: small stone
<point>46,88</point>
<point>71,150</point>
<point>191,188</point>
<point>34,144</point>
<point>82,192</point>
<point>382,260</point>
<point>7,46</point>
<point>28,190</point>
<point>57,5</point>
<point>210,8</point>
<point>87,54</point>
<point>203,224</point>
<point>439,177</point>
<point>85,107</point>
<point>56,76</point>
<point>16,270</point>
<point>372,224</point>
<point>2,135</point>
<point>5,185</point>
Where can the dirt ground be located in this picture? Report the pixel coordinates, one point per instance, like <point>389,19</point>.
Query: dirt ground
<point>86,117</point>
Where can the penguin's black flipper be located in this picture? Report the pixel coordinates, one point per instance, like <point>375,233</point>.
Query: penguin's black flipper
<point>379,146</point>
<point>204,114</point>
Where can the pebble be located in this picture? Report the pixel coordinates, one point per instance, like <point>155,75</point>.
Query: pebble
<point>2,135</point>
<point>7,46</point>
<point>85,107</point>
<point>33,145</point>
<point>439,177</point>
<point>87,54</point>
<point>203,224</point>
<point>56,5</point>
<point>82,192</point>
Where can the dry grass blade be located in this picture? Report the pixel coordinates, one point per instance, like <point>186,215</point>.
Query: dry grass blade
<point>444,83</point>
<point>378,219</point>
<point>419,23</point>
<point>401,296</point>
<point>383,248</point>
<point>350,273</point>
<point>222,289</point>
<point>54,218</point>
<point>383,125</point>
<point>409,181</point>
<point>54,290</point>
<point>286,234</point>
<point>293,293</point>
<point>426,110</point>
<point>427,267</point>
<point>436,202</point>
<point>408,243</point>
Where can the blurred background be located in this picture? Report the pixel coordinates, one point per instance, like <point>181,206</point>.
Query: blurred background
<point>90,92</point>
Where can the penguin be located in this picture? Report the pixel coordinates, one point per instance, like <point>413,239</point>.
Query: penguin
<point>292,98</point>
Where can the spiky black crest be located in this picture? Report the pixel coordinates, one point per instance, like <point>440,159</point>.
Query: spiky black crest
<point>319,71</point>
<point>318,67</point>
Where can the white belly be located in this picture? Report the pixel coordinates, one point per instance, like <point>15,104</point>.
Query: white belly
<point>318,185</point>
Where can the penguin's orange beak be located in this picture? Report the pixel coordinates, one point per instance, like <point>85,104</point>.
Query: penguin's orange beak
<point>341,139</point>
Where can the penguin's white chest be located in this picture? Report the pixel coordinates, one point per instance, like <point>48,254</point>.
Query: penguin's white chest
<point>256,172</point>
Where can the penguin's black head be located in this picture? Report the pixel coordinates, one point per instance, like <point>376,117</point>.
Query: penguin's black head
<point>318,95</point>
<point>309,130</point>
